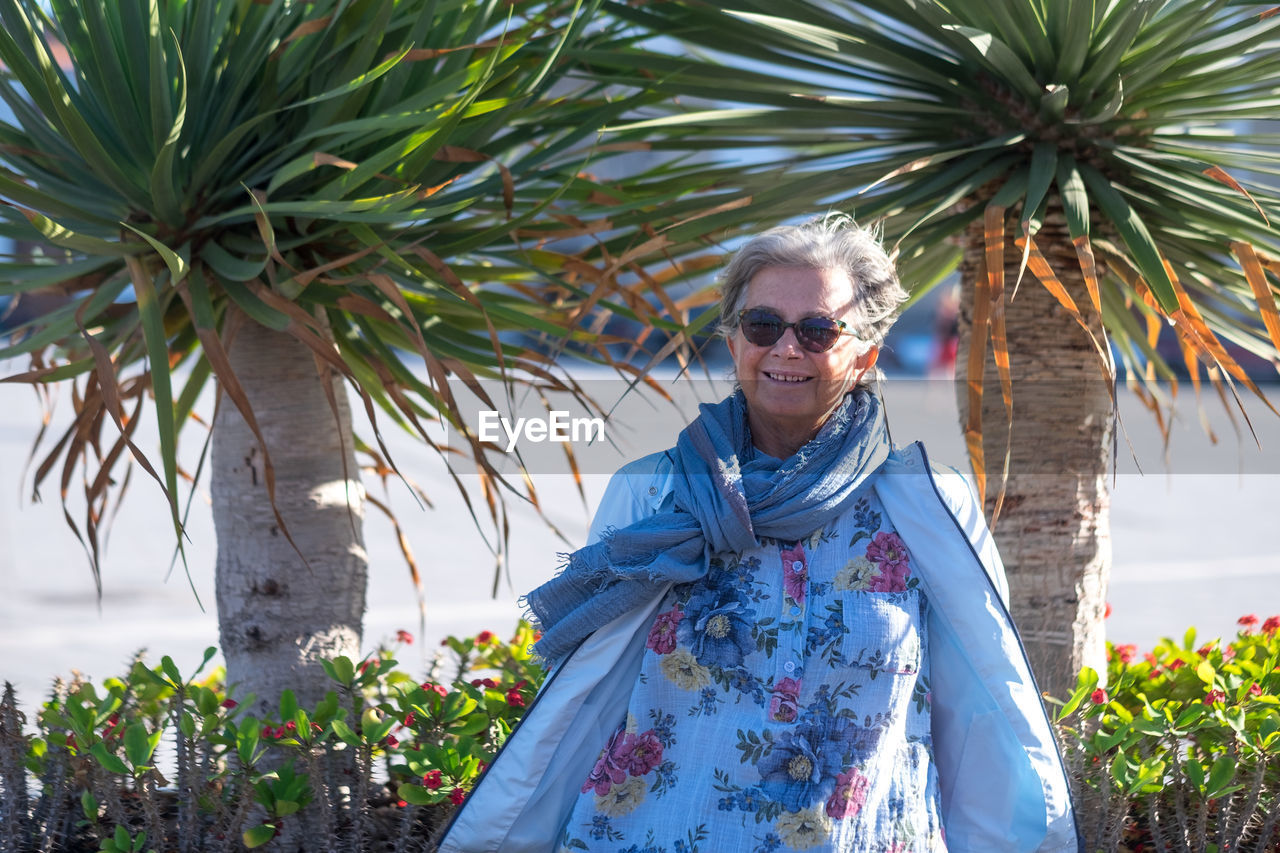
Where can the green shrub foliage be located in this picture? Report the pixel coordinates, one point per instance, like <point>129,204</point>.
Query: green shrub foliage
<point>156,761</point>
<point>1177,750</point>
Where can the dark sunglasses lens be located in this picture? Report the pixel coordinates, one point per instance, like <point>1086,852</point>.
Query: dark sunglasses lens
<point>762,328</point>
<point>817,334</point>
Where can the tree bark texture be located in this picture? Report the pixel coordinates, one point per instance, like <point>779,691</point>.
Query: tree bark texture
<point>1054,530</point>
<point>278,615</point>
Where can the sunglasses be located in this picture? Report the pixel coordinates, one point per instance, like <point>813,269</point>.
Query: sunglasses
<point>763,328</point>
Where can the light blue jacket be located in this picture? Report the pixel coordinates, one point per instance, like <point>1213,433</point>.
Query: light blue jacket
<point>1004,787</point>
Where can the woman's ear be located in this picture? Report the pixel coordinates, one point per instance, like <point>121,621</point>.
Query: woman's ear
<point>865,362</point>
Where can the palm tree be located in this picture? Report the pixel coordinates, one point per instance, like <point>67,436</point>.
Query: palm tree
<point>296,199</point>
<point>1080,156</point>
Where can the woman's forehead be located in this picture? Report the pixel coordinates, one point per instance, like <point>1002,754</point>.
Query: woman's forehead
<point>801,289</point>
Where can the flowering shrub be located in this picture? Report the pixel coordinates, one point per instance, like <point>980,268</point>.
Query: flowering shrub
<point>1178,750</point>
<point>305,773</point>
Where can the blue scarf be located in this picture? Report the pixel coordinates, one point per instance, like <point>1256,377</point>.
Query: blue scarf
<point>726,496</point>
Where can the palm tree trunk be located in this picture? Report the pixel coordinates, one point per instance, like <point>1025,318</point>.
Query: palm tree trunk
<point>1054,530</point>
<point>278,615</point>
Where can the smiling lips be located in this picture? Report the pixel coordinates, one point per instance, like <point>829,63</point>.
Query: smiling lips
<point>787,377</point>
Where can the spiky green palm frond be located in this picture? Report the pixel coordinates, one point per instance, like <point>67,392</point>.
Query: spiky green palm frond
<point>393,182</point>
<point>1129,119</point>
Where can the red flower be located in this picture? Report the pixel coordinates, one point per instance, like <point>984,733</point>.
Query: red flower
<point>1271,625</point>
<point>1106,614</point>
<point>484,638</point>
<point>849,796</point>
<point>1099,697</point>
<point>391,742</point>
<point>409,718</point>
<point>1127,652</point>
<point>784,704</point>
<point>71,742</point>
<point>514,699</point>
<point>1205,650</point>
<point>405,637</point>
<point>291,726</point>
<point>1176,663</point>
<point>401,803</point>
<point>364,666</point>
<point>1215,696</point>
<point>229,703</point>
<point>484,682</point>
<point>456,796</point>
<point>432,780</point>
<point>662,636</point>
<point>1151,659</point>
<point>1255,689</point>
<point>795,572</point>
<point>1247,621</point>
<point>436,688</point>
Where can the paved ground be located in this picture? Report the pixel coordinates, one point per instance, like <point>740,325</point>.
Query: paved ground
<point>1196,546</point>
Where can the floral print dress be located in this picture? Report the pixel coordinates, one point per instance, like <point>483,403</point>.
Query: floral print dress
<point>782,704</point>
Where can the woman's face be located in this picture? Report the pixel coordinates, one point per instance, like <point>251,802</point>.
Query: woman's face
<point>790,390</point>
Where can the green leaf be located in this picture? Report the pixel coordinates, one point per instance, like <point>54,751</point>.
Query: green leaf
<point>345,734</point>
<point>416,795</point>
<point>1135,235</point>
<point>177,266</point>
<point>258,835</point>
<point>123,840</point>
<point>171,670</point>
<point>1075,199</point>
<point>89,806</point>
<point>1205,672</point>
<point>344,669</point>
<point>138,745</point>
<point>288,705</point>
<point>1002,60</point>
<point>284,808</point>
<point>1220,776</point>
<point>109,760</point>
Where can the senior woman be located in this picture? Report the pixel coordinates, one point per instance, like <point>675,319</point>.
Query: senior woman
<point>785,635</point>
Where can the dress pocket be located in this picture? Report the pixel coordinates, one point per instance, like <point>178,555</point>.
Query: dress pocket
<point>883,630</point>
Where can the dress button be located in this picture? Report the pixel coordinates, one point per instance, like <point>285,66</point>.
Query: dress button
<point>789,666</point>
<point>653,490</point>
<point>797,566</point>
<point>795,611</point>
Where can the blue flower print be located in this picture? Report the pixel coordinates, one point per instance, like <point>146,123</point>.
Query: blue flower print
<point>717,627</point>
<point>804,762</point>
<point>863,516</point>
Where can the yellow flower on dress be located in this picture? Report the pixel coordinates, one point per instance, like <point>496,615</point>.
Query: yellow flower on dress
<point>803,830</point>
<point>857,575</point>
<point>622,799</point>
<point>682,668</point>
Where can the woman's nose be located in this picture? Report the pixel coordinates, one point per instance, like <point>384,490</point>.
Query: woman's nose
<point>788,343</point>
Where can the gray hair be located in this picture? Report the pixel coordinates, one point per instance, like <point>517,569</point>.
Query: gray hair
<point>831,242</point>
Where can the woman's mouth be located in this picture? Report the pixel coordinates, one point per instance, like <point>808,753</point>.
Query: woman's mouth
<point>787,377</point>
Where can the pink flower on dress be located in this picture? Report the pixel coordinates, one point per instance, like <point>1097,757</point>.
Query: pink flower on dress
<point>662,636</point>
<point>849,796</point>
<point>888,551</point>
<point>784,706</point>
<point>795,573</point>
<point>607,771</point>
<point>638,754</point>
